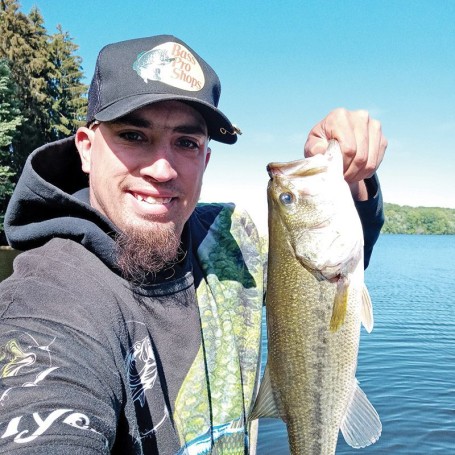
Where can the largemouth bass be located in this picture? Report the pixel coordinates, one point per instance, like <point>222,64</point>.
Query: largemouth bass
<point>316,301</point>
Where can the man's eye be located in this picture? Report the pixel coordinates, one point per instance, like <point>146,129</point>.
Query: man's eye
<point>131,136</point>
<point>188,143</point>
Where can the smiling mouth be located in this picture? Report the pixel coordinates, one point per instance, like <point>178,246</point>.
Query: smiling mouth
<point>153,200</point>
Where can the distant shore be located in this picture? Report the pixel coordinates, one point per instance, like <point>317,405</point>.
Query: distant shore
<point>403,219</point>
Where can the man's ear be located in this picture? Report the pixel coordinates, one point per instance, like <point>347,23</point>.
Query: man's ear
<point>84,139</point>
<point>207,156</point>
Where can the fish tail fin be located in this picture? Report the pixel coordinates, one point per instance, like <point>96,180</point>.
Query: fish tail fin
<point>361,425</point>
<point>265,404</point>
<point>366,314</point>
<point>340,304</point>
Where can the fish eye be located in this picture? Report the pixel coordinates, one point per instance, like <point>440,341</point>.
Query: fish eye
<point>286,198</point>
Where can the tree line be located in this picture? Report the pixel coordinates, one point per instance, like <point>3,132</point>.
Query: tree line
<point>418,220</point>
<point>42,96</point>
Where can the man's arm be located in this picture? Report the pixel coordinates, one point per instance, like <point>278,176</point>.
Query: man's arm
<point>371,215</point>
<point>58,390</point>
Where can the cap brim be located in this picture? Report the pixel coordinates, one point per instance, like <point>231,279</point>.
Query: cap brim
<point>218,125</point>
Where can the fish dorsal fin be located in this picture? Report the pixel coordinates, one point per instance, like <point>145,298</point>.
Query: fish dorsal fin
<point>340,304</point>
<point>265,405</point>
<point>366,310</point>
<point>361,425</point>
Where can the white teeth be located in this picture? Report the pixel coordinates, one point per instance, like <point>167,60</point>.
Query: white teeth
<point>153,200</point>
<point>157,200</point>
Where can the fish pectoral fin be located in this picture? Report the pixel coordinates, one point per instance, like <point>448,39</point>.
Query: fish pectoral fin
<point>265,404</point>
<point>361,425</point>
<point>366,311</point>
<point>340,304</point>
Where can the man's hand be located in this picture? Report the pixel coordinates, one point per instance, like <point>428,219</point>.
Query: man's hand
<point>361,141</point>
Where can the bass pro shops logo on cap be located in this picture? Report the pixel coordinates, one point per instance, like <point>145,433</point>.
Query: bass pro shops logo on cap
<point>170,63</point>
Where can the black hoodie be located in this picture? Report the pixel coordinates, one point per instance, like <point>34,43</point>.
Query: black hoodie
<point>44,204</point>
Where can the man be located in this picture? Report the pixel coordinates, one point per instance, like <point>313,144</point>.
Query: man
<point>132,322</point>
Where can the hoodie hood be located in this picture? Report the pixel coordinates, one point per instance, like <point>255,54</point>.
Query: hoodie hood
<point>44,204</point>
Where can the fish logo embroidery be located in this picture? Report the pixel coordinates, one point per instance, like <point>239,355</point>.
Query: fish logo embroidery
<point>148,64</point>
<point>171,64</point>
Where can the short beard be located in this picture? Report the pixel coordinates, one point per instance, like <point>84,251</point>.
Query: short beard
<point>141,254</point>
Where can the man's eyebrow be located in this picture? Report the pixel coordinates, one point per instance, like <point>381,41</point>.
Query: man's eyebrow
<point>191,129</point>
<point>140,122</point>
<point>131,120</point>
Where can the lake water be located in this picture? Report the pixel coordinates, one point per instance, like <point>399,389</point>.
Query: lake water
<point>407,364</point>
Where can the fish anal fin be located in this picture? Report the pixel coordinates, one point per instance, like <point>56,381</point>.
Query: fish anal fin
<point>265,404</point>
<point>361,425</point>
<point>340,304</point>
<point>366,312</point>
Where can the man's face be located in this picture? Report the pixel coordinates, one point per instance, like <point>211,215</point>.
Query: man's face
<point>146,168</point>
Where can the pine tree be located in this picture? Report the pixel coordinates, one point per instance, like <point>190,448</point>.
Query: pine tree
<point>64,86</point>
<point>48,82</point>
<point>23,42</point>
<point>10,119</point>
<point>48,75</point>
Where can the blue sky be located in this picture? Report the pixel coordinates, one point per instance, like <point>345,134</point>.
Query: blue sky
<point>285,64</point>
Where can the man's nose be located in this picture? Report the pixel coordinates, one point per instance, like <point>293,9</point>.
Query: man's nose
<point>159,169</point>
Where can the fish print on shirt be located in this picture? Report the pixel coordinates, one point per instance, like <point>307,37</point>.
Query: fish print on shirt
<point>26,361</point>
<point>141,369</point>
<point>142,374</point>
<point>22,355</point>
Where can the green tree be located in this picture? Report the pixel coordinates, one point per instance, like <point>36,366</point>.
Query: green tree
<point>69,103</point>
<point>10,120</point>
<point>48,75</point>
<point>418,220</point>
<point>23,43</point>
<point>48,82</point>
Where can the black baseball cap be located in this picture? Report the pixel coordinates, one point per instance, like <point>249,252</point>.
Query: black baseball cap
<point>134,73</point>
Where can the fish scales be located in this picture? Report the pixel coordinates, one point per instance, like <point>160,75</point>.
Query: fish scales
<point>309,379</point>
<point>310,431</point>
